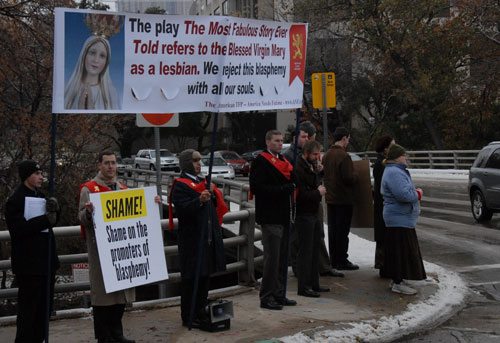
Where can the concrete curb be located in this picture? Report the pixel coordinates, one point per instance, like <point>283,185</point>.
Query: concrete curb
<point>420,316</point>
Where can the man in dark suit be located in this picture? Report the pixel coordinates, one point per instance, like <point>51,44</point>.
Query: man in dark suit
<point>271,181</point>
<point>34,258</point>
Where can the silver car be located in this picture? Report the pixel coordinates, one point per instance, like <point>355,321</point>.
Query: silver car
<point>484,183</point>
<point>146,159</point>
<point>219,168</point>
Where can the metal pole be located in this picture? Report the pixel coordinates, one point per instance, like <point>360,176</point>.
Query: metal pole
<point>291,225</point>
<point>52,188</point>
<point>53,132</point>
<point>162,288</point>
<point>207,222</point>
<point>325,119</point>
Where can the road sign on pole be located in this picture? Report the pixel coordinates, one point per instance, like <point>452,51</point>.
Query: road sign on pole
<point>157,120</point>
<point>317,90</point>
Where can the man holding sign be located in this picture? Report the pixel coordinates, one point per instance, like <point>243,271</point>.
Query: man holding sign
<point>108,308</point>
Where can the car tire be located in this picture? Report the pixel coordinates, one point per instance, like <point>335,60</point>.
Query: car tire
<point>152,167</point>
<point>480,212</point>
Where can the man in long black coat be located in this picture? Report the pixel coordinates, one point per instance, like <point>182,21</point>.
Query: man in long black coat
<point>34,258</point>
<point>199,212</point>
<point>307,222</point>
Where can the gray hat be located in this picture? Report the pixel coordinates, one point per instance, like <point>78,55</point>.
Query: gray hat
<point>26,168</point>
<point>186,160</point>
<point>308,127</point>
<point>395,151</point>
<point>340,132</point>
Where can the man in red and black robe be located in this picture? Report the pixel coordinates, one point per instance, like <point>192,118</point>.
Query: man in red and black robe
<point>199,212</point>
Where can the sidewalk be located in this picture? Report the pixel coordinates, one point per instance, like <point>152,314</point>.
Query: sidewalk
<point>360,308</point>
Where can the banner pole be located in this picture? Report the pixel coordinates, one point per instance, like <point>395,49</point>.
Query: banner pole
<point>53,133</point>
<point>162,287</point>
<point>325,118</point>
<point>207,222</point>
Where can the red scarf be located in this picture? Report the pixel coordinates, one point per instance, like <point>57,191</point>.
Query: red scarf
<point>283,166</point>
<point>94,187</point>
<point>220,209</point>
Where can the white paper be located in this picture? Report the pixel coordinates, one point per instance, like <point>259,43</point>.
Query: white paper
<point>34,207</point>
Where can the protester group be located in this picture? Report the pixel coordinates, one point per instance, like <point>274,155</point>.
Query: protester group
<point>289,189</point>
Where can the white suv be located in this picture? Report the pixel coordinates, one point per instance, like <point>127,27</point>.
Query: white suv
<point>146,159</point>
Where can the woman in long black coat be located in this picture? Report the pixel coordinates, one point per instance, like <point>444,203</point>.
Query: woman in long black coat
<point>381,147</point>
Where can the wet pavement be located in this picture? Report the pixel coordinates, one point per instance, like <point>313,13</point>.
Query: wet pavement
<point>359,305</point>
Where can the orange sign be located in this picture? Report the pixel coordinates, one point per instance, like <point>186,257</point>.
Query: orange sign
<point>157,119</point>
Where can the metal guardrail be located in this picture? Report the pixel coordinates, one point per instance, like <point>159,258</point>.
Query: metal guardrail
<point>433,159</point>
<point>244,240</point>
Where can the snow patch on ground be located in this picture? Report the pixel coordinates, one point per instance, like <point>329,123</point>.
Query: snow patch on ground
<point>450,293</point>
<point>439,174</point>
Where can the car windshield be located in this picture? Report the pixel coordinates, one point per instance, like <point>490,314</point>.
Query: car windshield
<point>217,161</point>
<point>163,153</point>
<point>230,155</point>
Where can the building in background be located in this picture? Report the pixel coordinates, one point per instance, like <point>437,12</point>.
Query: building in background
<point>169,6</point>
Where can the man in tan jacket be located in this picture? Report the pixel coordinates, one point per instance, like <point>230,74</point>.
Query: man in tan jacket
<point>339,179</point>
<point>108,308</point>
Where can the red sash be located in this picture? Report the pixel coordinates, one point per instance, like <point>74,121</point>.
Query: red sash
<point>94,187</point>
<point>220,209</point>
<point>283,166</point>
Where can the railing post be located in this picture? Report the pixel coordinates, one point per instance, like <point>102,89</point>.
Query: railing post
<point>226,191</point>
<point>455,160</point>
<point>246,251</point>
<point>243,197</point>
<point>135,176</point>
<point>431,162</point>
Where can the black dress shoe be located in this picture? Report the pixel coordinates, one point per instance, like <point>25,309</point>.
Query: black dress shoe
<point>271,305</point>
<point>122,339</point>
<point>332,272</point>
<point>321,289</point>
<point>286,302</point>
<point>308,293</point>
<point>347,265</point>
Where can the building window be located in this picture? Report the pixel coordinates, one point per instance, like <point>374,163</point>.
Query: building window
<point>225,8</point>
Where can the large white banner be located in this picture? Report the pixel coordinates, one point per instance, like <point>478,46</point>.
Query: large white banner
<point>129,238</point>
<point>142,63</point>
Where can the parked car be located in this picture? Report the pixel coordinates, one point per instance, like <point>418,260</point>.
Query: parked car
<point>219,168</point>
<point>484,183</point>
<point>251,155</point>
<point>124,165</point>
<point>285,147</point>
<point>146,159</point>
<point>239,164</point>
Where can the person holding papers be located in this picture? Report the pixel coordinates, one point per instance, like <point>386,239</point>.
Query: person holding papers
<point>30,218</point>
<point>107,309</point>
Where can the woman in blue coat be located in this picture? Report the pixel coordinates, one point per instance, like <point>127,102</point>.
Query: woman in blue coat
<point>402,260</point>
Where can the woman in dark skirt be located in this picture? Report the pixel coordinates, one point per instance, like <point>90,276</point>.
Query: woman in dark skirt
<point>381,147</point>
<point>402,258</point>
